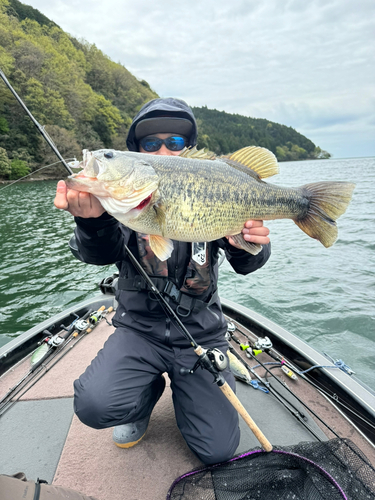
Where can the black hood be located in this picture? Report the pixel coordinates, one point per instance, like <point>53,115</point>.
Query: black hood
<point>162,107</point>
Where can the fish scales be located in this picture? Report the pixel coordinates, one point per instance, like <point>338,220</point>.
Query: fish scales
<point>193,199</point>
<point>193,210</point>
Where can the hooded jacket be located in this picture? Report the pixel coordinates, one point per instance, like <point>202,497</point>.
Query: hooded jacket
<point>101,240</point>
<point>159,107</point>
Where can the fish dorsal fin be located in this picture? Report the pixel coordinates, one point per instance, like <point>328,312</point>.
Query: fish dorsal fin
<point>242,168</point>
<point>261,160</point>
<point>199,154</point>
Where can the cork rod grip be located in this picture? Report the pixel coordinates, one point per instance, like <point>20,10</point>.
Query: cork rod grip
<point>230,395</point>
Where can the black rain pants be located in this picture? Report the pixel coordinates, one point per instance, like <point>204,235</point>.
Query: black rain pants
<point>122,385</point>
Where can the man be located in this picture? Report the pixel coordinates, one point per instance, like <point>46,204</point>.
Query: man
<point>123,383</point>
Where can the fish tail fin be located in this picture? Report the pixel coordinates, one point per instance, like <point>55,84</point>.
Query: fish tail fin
<point>327,202</point>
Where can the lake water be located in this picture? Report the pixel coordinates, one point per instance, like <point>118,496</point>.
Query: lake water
<point>324,296</point>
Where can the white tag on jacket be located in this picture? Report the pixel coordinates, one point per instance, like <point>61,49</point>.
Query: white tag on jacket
<point>199,253</point>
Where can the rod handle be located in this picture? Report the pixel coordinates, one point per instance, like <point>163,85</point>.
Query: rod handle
<point>230,395</point>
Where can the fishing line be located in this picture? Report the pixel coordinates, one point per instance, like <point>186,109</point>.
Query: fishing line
<point>35,171</point>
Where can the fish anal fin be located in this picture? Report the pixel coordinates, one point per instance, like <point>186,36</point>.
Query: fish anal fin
<point>162,247</point>
<point>261,160</point>
<point>252,248</point>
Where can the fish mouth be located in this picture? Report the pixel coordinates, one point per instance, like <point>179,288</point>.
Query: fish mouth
<point>81,182</point>
<point>143,203</point>
<point>127,209</point>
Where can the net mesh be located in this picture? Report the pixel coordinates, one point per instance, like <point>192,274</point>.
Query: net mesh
<point>331,470</point>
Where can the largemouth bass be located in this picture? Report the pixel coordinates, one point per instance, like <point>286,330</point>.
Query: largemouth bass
<point>198,197</point>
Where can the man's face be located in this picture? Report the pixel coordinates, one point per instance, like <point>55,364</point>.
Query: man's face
<point>163,150</point>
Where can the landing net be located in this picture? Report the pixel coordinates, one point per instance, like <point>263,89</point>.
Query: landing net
<point>331,470</point>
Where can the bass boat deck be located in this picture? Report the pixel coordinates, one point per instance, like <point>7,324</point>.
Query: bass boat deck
<point>42,437</point>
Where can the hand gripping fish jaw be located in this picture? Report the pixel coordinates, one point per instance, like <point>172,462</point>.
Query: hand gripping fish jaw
<point>212,360</point>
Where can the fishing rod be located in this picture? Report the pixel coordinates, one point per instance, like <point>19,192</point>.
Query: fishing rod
<point>38,126</point>
<point>83,326</point>
<point>346,442</point>
<point>289,390</point>
<point>287,404</point>
<point>53,342</point>
<point>209,359</point>
<point>261,345</point>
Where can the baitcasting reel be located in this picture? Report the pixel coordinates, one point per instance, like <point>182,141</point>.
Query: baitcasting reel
<point>211,359</point>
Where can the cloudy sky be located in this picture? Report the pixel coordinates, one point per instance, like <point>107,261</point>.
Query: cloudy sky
<point>305,64</point>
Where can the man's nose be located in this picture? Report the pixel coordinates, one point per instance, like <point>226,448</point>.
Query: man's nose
<point>164,151</point>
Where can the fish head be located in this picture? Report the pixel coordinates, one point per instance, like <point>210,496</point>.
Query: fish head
<point>122,181</point>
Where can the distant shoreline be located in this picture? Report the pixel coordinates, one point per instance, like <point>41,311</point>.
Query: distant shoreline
<point>57,178</point>
<point>31,179</point>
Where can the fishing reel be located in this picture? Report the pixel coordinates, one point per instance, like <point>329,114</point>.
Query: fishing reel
<point>212,360</point>
<point>108,285</point>
<point>263,344</point>
<point>231,328</point>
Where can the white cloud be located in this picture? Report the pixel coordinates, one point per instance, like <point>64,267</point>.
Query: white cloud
<point>305,64</point>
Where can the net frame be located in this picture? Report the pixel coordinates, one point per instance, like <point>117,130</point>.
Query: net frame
<point>332,470</point>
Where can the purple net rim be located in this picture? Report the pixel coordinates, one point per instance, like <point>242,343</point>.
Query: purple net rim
<point>323,471</point>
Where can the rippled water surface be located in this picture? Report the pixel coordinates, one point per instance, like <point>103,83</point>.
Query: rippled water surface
<point>324,296</point>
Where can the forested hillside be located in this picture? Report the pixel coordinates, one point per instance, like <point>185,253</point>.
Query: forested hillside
<point>224,133</point>
<point>87,101</point>
<point>84,99</point>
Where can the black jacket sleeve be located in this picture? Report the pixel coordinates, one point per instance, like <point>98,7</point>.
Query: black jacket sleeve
<point>99,240</point>
<point>243,262</point>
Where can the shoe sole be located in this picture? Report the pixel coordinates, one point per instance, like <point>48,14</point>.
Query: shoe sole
<point>129,445</point>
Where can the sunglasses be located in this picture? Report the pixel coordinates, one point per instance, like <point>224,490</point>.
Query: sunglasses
<point>173,143</point>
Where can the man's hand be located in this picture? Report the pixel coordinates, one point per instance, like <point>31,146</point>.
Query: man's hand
<point>254,232</point>
<point>77,203</point>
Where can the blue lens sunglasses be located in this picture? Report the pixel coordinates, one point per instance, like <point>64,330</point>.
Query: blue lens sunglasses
<point>173,143</point>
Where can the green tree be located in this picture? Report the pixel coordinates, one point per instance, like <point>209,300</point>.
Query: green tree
<point>4,127</point>
<point>320,154</point>
<point>47,105</point>
<point>5,168</point>
<point>67,145</point>
<point>19,169</point>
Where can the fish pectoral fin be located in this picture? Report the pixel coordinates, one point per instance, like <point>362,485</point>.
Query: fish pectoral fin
<point>252,248</point>
<point>260,160</point>
<point>162,247</point>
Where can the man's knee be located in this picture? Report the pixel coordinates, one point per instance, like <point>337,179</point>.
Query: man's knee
<point>94,408</point>
<point>218,452</point>
<point>211,450</point>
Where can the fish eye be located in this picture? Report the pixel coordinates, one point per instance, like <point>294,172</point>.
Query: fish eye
<point>109,154</point>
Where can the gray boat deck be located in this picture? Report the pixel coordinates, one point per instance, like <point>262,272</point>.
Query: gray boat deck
<point>41,436</point>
